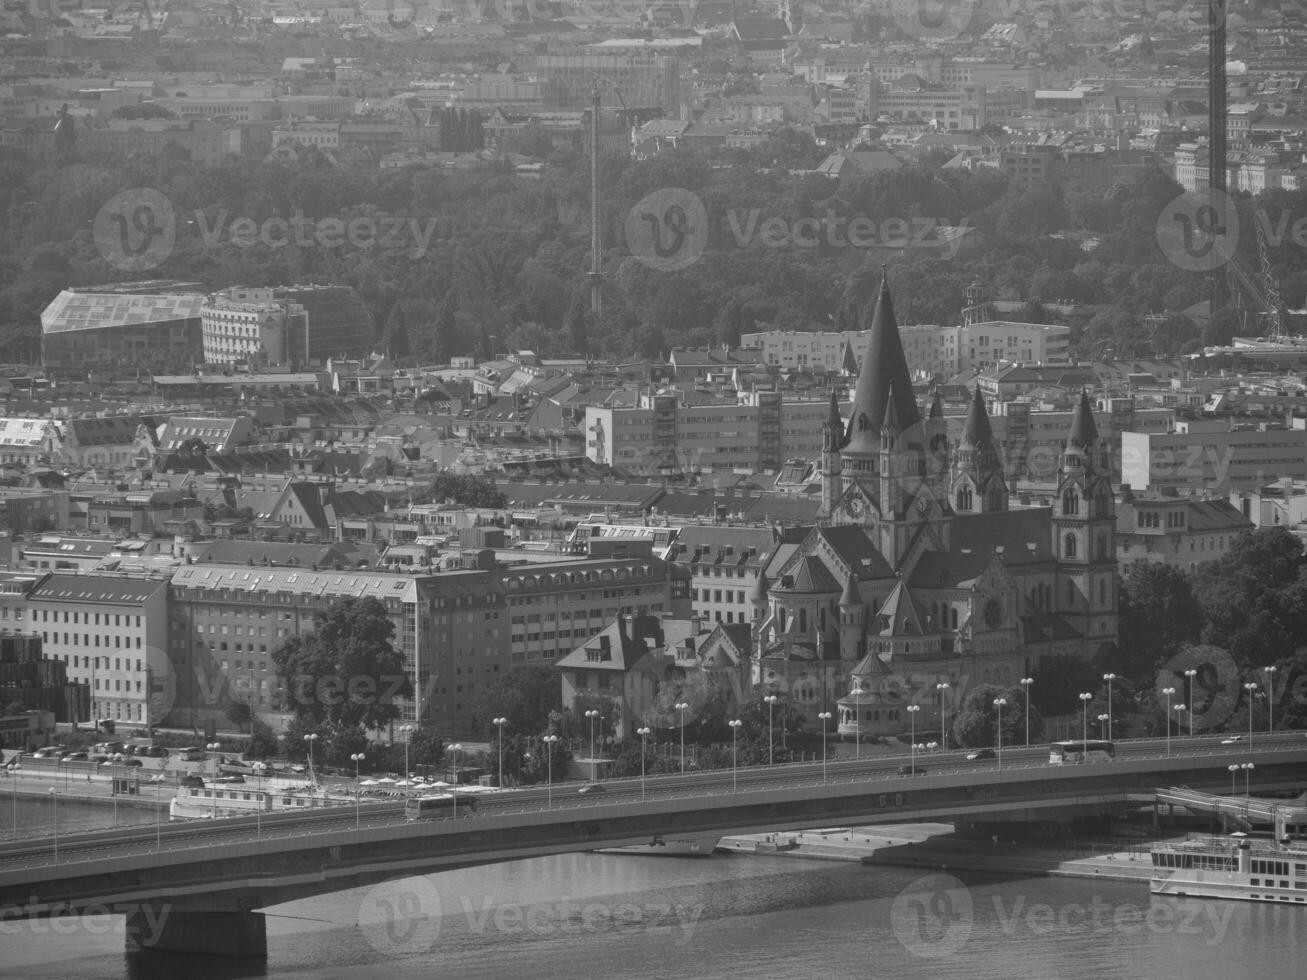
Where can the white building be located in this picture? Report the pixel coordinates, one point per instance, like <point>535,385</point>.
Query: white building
<point>250,325</point>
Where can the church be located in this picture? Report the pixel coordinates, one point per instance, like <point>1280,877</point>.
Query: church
<point>918,580</point>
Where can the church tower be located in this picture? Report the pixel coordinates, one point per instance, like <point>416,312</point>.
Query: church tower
<point>1084,530</point>
<point>832,434</point>
<point>977,484</point>
<point>853,626</point>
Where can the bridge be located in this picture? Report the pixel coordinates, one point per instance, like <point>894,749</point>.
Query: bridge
<point>197,887</point>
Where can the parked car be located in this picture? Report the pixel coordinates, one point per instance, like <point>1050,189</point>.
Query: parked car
<point>49,752</point>
<point>75,757</point>
<point>99,758</point>
<point>980,754</point>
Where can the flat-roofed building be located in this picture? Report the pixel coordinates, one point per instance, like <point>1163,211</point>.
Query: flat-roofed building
<point>1214,456</point>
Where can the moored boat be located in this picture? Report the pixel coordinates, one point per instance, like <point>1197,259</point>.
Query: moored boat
<point>221,799</point>
<point>675,847</point>
<point>1235,867</point>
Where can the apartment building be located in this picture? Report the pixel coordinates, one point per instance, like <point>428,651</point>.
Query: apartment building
<point>724,564</point>
<point>110,631</point>
<point>1183,532</point>
<point>1212,455</point>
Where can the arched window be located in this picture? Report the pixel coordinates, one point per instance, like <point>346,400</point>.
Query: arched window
<point>803,620</point>
<point>1070,502</point>
<point>1069,546</point>
<point>1102,546</point>
<point>964,497</point>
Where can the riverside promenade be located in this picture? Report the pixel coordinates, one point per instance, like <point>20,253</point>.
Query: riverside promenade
<point>934,847</point>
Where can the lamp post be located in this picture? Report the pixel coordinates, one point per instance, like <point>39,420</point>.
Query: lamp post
<point>215,746</point>
<point>14,767</point>
<point>1025,693</point>
<point>735,739</point>
<point>680,707</point>
<point>1168,691</point>
<point>115,768</point>
<point>771,700</point>
<point>158,826</point>
<point>1190,674</point>
<point>1085,698</point>
<point>1179,710</point>
<point>1234,768</point>
<point>644,749</point>
<point>1103,721</point>
<point>500,723</point>
<point>357,757</point>
<point>456,748</point>
<point>825,717</point>
<point>998,730</point>
<point>1270,697</point>
<point>407,731</point>
<point>941,687</point>
<point>310,740</point>
<point>549,741</point>
<point>1247,768</point>
<point>54,794</point>
<point>1108,679</point>
<point>592,715</point>
<point>912,734</point>
<point>1250,688</point>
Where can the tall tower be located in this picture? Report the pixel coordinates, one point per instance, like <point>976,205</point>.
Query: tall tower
<point>1216,139</point>
<point>977,484</point>
<point>1084,530</point>
<point>596,262</point>
<point>975,310</point>
<point>832,434</point>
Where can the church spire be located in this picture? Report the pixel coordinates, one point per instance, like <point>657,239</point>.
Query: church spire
<point>977,432</point>
<point>884,376</point>
<point>1084,433</point>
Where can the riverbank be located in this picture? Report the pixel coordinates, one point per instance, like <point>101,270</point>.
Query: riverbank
<point>935,847</point>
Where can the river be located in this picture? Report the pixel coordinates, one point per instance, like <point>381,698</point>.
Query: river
<point>604,915</point>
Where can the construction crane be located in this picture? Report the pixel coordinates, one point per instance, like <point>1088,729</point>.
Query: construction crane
<point>1265,295</point>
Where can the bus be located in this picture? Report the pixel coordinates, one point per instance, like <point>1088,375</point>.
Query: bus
<point>436,807</point>
<point>1069,753</point>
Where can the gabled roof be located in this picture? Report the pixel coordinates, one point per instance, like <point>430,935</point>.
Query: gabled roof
<point>856,549</point>
<point>808,577</point>
<point>900,613</point>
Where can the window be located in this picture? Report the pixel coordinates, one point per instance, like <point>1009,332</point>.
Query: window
<point>1069,546</point>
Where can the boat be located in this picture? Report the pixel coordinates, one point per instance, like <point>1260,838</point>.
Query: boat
<point>228,799</point>
<point>676,847</point>
<point>1234,867</point>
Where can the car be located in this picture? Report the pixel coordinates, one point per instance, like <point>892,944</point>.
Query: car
<point>75,757</point>
<point>980,754</point>
<point>1231,740</point>
<point>49,752</point>
<point>592,788</point>
<point>99,758</point>
<point>911,771</point>
<point>131,761</point>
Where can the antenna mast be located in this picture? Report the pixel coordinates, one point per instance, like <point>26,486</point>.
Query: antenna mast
<point>596,273</point>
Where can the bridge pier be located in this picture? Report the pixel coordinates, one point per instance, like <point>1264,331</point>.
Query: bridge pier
<point>160,927</point>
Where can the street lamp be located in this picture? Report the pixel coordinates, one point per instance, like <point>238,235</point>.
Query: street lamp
<point>357,757</point>
<point>1108,679</point>
<point>825,717</point>
<point>941,687</point>
<point>735,738</point>
<point>310,740</point>
<point>1251,688</point>
<point>1179,710</point>
<point>14,767</point>
<point>644,749</point>
<point>912,734</point>
<point>1191,673</point>
<point>1247,768</point>
<point>1168,691</point>
<point>1085,698</point>
<point>592,715</point>
<point>1025,691</point>
<point>407,731</point>
<point>500,723</point>
<point>215,746</point>
<point>771,700</point>
<point>680,707</point>
<point>1234,768</point>
<point>1270,697</point>
<point>1103,721</point>
<point>549,741</point>
<point>998,703</point>
<point>54,794</point>
<point>456,748</point>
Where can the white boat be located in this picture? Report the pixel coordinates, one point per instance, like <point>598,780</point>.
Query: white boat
<point>245,799</point>
<point>1234,867</point>
<point>676,847</point>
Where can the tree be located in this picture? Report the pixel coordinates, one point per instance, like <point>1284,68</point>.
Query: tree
<point>1158,615</point>
<point>976,722</point>
<point>345,672</point>
<point>472,491</point>
<point>531,698</point>
<point>1059,680</point>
